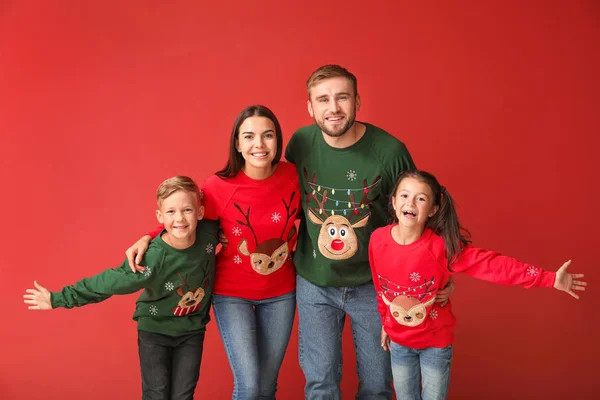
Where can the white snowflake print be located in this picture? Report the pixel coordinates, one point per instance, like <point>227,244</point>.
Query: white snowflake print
<point>147,272</point>
<point>532,271</point>
<point>314,253</point>
<point>351,175</point>
<point>237,259</point>
<point>169,286</point>
<point>433,314</point>
<point>415,277</point>
<point>236,230</point>
<point>209,248</point>
<point>275,217</point>
<point>153,310</point>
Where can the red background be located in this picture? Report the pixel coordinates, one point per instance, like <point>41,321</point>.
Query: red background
<point>102,100</point>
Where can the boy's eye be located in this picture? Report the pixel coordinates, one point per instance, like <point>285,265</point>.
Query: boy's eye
<point>188,210</point>
<point>170,212</point>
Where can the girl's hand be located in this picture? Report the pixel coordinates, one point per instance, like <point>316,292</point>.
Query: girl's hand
<point>566,282</point>
<point>385,340</point>
<point>137,252</point>
<point>443,295</point>
<point>38,299</point>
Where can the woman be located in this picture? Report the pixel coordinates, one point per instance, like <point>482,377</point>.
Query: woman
<point>256,199</point>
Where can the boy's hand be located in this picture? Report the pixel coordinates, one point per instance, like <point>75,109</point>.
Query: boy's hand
<point>443,295</point>
<point>385,340</point>
<point>38,299</point>
<point>136,252</point>
<point>566,282</point>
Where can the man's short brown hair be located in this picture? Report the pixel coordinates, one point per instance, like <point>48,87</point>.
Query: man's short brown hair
<point>331,71</point>
<point>172,185</point>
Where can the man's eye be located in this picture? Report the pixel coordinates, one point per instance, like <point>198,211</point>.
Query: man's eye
<point>343,98</point>
<point>322,100</point>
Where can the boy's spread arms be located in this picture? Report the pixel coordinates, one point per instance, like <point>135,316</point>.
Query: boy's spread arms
<point>91,290</point>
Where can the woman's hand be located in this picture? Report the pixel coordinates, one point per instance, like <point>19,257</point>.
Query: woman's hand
<point>136,252</point>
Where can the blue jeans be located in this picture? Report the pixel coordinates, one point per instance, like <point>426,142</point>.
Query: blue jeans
<point>255,334</point>
<point>428,367</point>
<point>322,313</point>
<point>170,365</point>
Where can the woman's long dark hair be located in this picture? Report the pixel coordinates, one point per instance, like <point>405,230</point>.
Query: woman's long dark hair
<point>445,222</point>
<point>236,161</point>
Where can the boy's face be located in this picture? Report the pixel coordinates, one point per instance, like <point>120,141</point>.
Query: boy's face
<point>180,214</point>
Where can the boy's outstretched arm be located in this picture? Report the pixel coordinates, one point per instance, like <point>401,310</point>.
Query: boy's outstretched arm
<point>38,298</point>
<point>567,282</point>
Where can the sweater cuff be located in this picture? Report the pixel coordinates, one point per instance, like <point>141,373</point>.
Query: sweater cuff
<point>548,279</point>
<point>56,300</point>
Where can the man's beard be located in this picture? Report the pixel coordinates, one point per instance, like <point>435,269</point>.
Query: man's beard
<point>341,132</point>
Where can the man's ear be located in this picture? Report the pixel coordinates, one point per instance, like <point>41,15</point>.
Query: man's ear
<point>310,109</point>
<point>357,102</point>
<point>433,211</point>
<point>159,217</point>
<point>200,213</point>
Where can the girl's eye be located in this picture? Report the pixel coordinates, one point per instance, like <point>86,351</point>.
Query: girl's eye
<point>269,136</point>
<point>403,196</point>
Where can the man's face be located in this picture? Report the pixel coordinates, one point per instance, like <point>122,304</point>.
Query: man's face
<point>333,105</point>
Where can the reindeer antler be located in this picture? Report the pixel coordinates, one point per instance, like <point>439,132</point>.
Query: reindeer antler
<point>247,223</point>
<point>310,195</point>
<point>427,286</point>
<point>365,201</point>
<point>287,211</point>
<point>185,284</point>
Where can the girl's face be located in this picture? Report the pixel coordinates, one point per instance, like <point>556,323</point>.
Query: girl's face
<point>413,203</point>
<point>258,144</point>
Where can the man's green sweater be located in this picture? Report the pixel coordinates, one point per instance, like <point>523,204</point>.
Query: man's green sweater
<point>344,197</point>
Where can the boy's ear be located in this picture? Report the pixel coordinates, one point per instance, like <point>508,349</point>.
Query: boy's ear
<point>433,211</point>
<point>159,216</point>
<point>200,213</point>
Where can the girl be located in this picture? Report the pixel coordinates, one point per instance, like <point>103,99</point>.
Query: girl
<point>414,257</point>
<point>256,199</point>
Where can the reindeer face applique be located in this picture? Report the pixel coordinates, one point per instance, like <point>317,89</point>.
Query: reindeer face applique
<point>408,311</point>
<point>407,307</point>
<point>269,255</point>
<point>337,239</point>
<point>190,298</point>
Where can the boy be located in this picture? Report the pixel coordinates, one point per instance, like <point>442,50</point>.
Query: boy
<point>173,310</point>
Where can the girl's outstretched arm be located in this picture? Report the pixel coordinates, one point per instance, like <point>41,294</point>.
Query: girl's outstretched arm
<point>567,282</point>
<point>38,298</point>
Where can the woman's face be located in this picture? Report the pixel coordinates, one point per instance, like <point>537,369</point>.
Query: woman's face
<point>257,142</point>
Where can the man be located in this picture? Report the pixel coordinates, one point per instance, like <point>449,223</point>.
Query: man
<point>347,170</point>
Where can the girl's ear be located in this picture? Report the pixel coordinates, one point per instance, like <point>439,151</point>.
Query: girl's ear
<point>433,211</point>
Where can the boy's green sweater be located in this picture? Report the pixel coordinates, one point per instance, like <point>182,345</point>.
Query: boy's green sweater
<point>178,285</point>
<point>345,195</point>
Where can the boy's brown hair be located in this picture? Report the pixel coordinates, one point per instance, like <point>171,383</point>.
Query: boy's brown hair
<point>172,185</point>
<point>331,71</point>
